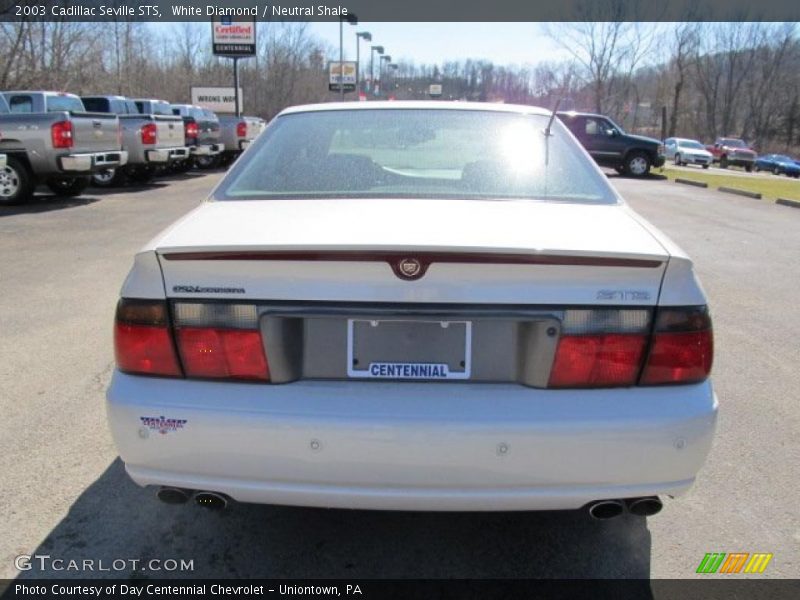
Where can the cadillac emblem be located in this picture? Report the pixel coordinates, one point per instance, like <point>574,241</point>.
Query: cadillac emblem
<point>409,268</point>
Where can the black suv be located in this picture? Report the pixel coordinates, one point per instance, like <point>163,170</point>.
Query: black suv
<point>610,146</point>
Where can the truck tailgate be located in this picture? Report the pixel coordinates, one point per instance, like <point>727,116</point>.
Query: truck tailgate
<point>95,132</point>
<point>170,131</point>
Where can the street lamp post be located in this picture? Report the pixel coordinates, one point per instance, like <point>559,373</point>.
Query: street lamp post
<point>386,58</point>
<point>353,20</point>
<point>379,50</point>
<point>367,37</point>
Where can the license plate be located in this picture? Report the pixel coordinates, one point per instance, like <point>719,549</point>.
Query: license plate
<point>404,349</point>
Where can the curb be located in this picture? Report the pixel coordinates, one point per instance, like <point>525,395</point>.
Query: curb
<point>740,192</point>
<point>691,182</point>
<point>787,202</point>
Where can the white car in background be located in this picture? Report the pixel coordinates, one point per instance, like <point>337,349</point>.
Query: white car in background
<point>414,306</point>
<point>684,151</point>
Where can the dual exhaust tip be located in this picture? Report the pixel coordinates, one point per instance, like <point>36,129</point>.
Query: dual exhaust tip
<point>601,510</point>
<point>209,500</point>
<point>641,507</point>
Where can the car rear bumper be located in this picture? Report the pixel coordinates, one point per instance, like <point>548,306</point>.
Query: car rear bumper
<point>167,155</point>
<point>411,446</point>
<point>696,160</point>
<point>207,149</point>
<point>741,161</point>
<point>92,162</point>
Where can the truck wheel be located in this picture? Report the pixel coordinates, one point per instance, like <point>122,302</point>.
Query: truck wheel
<point>183,166</point>
<point>16,183</point>
<point>637,164</point>
<point>68,187</point>
<point>207,162</point>
<point>748,168</point>
<point>723,162</point>
<point>706,166</point>
<point>142,176</point>
<point>776,171</point>
<point>109,178</point>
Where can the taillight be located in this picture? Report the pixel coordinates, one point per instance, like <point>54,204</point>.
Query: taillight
<point>61,134</point>
<point>241,129</point>
<point>600,348</point>
<point>682,349</point>
<point>191,130</point>
<point>220,341</point>
<point>149,133</point>
<point>142,339</point>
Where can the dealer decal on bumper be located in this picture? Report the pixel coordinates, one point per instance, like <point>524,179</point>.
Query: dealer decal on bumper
<point>162,425</point>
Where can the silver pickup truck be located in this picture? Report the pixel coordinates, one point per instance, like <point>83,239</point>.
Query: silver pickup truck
<point>49,138</point>
<point>152,140</point>
<point>236,133</point>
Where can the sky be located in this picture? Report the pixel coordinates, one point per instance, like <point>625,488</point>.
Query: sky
<point>501,43</point>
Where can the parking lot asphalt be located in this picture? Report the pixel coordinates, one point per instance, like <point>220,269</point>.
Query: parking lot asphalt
<point>65,493</point>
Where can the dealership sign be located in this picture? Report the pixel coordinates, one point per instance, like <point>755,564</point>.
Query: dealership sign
<point>218,99</point>
<point>342,74</point>
<point>233,36</point>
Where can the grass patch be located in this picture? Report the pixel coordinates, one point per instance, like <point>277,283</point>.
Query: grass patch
<point>770,187</point>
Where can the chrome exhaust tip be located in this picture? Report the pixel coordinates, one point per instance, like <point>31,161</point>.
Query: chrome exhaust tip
<point>172,495</point>
<point>644,507</point>
<point>605,509</point>
<point>211,500</point>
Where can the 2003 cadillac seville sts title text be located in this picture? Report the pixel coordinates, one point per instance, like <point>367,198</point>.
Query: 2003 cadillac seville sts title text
<point>431,306</point>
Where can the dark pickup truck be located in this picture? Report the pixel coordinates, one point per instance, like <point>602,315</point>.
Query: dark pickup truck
<point>205,145</point>
<point>610,146</point>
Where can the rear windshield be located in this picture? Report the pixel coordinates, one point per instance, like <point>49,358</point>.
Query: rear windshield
<point>97,104</point>
<point>411,153</point>
<point>733,143</point>
<point>64,103</point>
<point>161,108</point>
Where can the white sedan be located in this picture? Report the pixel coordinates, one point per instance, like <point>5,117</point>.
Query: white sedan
<point>687,152</point>
<point>414,306</point>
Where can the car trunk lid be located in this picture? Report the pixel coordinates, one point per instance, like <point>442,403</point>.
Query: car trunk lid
<point>475,251</point>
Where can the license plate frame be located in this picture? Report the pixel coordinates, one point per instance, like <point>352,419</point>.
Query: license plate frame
<point>406,370</point>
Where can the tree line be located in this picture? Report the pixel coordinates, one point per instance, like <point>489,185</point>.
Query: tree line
<point>737,78</point>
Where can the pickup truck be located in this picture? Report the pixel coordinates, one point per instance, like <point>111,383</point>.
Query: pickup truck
<point>49,138</point>
<point>733,152</point>
<point>610,146</point>
<point>152,140</point>
<point>236,134</point>
<point>205,145</point>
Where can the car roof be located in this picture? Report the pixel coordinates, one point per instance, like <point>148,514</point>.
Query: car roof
<point>575,113</point>
<point>418,104</point>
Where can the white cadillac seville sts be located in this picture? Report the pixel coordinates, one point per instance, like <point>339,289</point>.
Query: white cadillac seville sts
<point>416,306</point>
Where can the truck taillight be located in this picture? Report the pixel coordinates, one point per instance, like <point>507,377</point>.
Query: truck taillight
<point>600,348</point>
<point>149,134</point>
<point>682,348</point>
<point>241,129</point>
<point>191,130</point>
<point>142,339</point>
<point>61,134</point>
<point>220,341</point>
